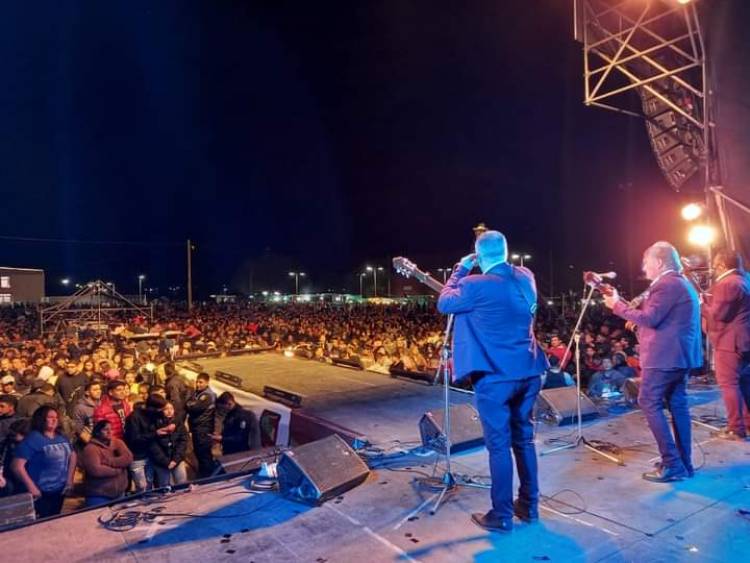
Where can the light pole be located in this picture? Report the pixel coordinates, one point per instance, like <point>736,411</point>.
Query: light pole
<point>141,277</point>
<point>296,276</point>
<point>361,277</point>
<point>374,270</point>
<point>521,257</point>
<point>445,272</point>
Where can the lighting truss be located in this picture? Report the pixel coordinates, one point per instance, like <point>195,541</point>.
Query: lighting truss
<point>654,48</point>
<point>96,302</point>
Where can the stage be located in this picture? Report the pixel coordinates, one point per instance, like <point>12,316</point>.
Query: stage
<point>594,510</point>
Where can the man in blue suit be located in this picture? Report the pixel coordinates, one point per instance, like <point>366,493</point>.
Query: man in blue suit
<point>494,346</point>
<point>669,332</point>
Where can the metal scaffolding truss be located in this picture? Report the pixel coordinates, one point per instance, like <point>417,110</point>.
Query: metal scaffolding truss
<point>654,48</point>
<point>654,44</point>
<point>95,303</point>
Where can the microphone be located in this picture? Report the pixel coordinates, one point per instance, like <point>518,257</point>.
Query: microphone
<point>606,275</point>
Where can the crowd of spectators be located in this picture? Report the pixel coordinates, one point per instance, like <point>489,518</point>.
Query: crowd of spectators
<point>111,407</point>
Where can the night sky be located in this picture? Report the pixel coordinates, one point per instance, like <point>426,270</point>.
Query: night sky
<point>319,136</point>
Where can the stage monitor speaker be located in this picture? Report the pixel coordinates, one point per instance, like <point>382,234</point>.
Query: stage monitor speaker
<point>466,429</point>
<point>315,472</point>
<point>558,406</point>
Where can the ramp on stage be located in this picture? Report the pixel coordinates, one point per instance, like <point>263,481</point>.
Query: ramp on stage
<point>593,510</point>
<point>377,407</point>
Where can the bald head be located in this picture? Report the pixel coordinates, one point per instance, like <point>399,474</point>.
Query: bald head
<point>492,249</point>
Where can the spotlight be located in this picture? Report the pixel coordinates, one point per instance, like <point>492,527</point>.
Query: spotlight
<point>692,211</point>
<point>702,235</point>
<point>683,2</point>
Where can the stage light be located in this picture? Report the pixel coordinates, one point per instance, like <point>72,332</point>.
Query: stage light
<point>702,235</point>
<point>683,2</point>
<point>692,211</point>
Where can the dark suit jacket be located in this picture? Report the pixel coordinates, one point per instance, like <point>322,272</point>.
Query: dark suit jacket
<point>727,313</point>
<point>494,322</point>
<point>669,324</point>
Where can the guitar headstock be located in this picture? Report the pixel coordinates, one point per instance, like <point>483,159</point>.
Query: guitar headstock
<point>409,269</point>
<point>594,280</point>
<point>404,266</point>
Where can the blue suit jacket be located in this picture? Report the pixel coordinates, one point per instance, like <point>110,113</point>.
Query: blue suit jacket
<point>669,324</point>
<point>494,322</point>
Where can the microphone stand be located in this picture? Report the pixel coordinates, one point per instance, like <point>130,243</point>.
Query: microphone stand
<point>580,438</point>
<point>447,483</point>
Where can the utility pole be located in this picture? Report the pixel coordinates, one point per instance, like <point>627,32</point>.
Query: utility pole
<point>189,275</point>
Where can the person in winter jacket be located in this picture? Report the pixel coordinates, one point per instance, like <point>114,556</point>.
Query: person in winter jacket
<point>201,410</point>
<point>240,431</point>
<point>167,450</point>
<point>140,432</point>
<point>105,460</point>
<point>177,391</point>
<point>83,412</point>
<point>114,408</point>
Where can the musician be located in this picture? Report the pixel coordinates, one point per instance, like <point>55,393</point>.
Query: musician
<point>669,329</point>
<point>494,346</point>
<point>727,312</point>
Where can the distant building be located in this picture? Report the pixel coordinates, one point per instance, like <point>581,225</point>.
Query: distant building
<point>21,285</point>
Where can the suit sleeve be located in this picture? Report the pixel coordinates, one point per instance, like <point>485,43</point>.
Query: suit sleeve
<point>655,308</point>
<point>724,302</point>
<point>455,298</point>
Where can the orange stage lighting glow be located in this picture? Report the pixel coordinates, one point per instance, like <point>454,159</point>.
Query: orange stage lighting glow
<point>702,235</point>
<point>692,211</point>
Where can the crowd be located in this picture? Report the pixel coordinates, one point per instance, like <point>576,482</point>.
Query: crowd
<point>112,409</point>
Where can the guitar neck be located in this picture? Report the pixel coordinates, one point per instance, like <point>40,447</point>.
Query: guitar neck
<point>409,269</point>
<point>429,281</point>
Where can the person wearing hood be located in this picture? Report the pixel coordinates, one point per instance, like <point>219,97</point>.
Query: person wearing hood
<point>105,460</point>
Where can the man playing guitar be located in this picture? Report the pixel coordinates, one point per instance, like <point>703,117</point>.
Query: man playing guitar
<point>671,346</point>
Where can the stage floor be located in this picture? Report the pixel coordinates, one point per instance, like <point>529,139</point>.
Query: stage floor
<point>376,406</point>
<point>594,510</point>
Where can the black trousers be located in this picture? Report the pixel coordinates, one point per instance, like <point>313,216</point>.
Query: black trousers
<point>49,504</point>
<point>202,451</point>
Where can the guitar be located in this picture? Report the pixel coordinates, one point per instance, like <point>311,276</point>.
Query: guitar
<point>594,280</point>
<point>409,269</point>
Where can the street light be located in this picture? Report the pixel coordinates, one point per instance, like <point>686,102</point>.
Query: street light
<point>521,257</point>
<point>65,281</point>
<point>141,277</point>
<point>375,270</point>
<point>296,276</point>
<point>445,272</point>
<point>361,277</point>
